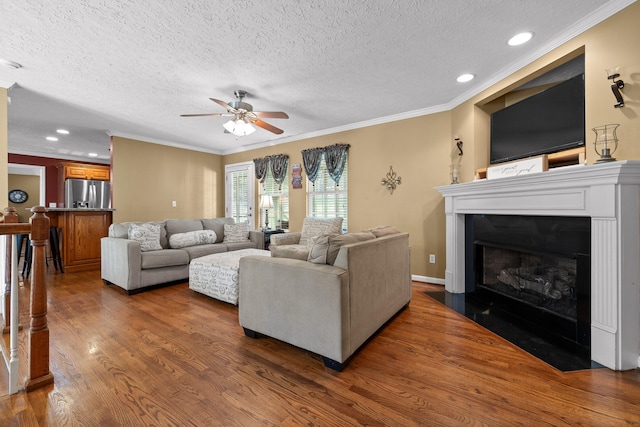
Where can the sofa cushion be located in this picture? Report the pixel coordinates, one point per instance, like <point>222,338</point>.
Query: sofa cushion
<point>192,238</point>
<point>245,244</point>
<point>217,225</point>
<point>147,234</point>
<point>337,241</point>
<point>315,226</point>
<point>384,230</point>
<point>202,250</point>
<point>319,248</point>
<point>290,251</point>
<point>236,233</point>
<point>164,258</point>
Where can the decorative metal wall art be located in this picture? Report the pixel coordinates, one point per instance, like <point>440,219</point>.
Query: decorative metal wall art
<point>391,181</point>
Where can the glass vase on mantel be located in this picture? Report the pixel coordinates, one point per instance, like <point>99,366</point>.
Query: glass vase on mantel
<point>606,142</point>
<point>454,172</point>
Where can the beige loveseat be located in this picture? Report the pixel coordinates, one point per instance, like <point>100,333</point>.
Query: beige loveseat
<point>329,307</point>
<point>135,258</point>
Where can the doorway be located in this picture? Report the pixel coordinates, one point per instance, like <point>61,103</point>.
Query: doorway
<point>239,192</point>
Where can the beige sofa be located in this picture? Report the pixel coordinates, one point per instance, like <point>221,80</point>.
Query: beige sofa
<point>163,258</point>
<point>333,307</point>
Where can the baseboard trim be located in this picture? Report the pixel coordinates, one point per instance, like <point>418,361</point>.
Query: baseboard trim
<point>426,279</point>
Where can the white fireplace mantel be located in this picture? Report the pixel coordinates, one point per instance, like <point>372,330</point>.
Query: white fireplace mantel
<point>608,193</point>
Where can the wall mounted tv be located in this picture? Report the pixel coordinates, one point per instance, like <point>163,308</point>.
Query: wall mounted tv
<point>548,122</point>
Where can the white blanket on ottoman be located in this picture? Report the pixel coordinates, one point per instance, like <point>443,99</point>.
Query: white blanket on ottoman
<point>216,275</point>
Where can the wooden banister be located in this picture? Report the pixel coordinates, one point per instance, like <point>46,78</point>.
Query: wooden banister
<point>38,346</point>
<point>39,373</point>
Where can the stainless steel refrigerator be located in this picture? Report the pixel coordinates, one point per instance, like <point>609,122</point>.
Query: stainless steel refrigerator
<point>85,193</point>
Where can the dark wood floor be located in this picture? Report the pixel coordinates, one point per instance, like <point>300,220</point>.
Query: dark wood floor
<point>171,357</point>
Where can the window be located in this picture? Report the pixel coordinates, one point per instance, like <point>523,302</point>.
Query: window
<point>325,198</point>
<point>279,214</point>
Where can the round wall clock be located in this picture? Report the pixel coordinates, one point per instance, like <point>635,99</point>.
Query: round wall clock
<point>18,196</point>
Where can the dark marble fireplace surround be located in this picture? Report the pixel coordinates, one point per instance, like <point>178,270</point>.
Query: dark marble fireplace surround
<point>607,197</point>
<point>535,268</point>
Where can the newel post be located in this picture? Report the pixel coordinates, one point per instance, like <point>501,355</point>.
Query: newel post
<point>39,374</point>
<point>10,216</point>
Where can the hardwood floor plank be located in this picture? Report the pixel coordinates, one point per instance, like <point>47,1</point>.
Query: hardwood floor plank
<point>175,357</point>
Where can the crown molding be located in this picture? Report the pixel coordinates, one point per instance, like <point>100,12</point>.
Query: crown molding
<point>161,142</point>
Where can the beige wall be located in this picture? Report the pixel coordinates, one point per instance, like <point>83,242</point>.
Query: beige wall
<point>147,177</point>
<point>418,149</point>
<point>4,142</point>
<point>30,184</point>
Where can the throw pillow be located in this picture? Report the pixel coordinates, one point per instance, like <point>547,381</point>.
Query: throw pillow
<point>319,248</point>
<point>236,233</point>
<point>192,238</point>
<point>312,227</point>
<point>147,234</point>
<point>337,241</point>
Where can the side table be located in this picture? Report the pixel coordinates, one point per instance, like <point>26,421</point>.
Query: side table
<point>267,236</point>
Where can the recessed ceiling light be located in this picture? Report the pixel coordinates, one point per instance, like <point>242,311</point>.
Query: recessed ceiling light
<point>519,39</point>
<point>93,154</point>
<point>63,131</point>
<point>465,78</point>
<point>9,64</point>
<point>52,138</point>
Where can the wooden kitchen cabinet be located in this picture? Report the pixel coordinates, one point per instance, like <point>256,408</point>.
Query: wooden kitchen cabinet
<point>81,171</point>
<point>81,231</point>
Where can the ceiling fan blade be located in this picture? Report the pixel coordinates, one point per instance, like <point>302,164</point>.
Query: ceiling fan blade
<point>224,105</point>
<point>212,114</point>
<point>267,126</point>
<point>271,114</point>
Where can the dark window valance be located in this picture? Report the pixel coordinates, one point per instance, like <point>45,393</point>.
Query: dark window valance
<point>335,157</point>
<point>261,166</point>
<point>311,160</point>
<point>278,163</point>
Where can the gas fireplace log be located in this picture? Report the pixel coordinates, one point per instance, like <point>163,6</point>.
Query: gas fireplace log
<point>550,282</point>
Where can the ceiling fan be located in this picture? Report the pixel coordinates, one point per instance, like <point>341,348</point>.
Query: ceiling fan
<point>243,116</point>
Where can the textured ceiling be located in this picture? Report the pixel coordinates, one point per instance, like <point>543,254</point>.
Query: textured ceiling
<point>130,68</point>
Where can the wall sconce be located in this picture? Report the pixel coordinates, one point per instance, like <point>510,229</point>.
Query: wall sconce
<point>391,181</point>
<point>459,145</point>
<point>606,142</point>
<point>613,74</point>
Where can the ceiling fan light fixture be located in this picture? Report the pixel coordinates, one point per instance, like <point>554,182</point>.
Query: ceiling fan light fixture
<point>239,127</point>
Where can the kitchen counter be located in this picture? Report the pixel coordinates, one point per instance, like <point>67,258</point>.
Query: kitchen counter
<point>73,209</point>
<point>80,231</point>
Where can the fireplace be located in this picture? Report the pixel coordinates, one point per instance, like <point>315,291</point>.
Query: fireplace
<point>535,268</point>
<point>607,196</point>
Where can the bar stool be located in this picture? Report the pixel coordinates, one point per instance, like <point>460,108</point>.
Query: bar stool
<point>23,238</point>
<point>54,246</point>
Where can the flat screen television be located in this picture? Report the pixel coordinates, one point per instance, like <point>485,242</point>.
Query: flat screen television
<point>548,122</point>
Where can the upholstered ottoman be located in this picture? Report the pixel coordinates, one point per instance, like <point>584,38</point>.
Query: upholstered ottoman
<point>216,275</point>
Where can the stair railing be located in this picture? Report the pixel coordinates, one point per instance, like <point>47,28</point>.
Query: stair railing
<point>38,346</point>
